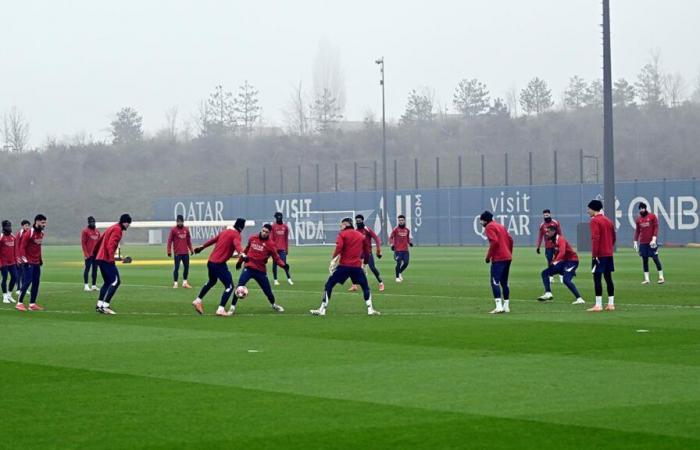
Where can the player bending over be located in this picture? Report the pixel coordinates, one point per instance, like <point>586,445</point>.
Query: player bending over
<point>564,264</point>
<point>645,235</point>
<point>104,252</point>
<point>350,246</point>
<point>370,236</point>
<point>500,255</point>
<point>258,250</point>
<point>547,221</point>
<point>180,242</point>
<point>602,247</point>
<point>227,242</point>
<point>400,241</point>
<point>280,237</point>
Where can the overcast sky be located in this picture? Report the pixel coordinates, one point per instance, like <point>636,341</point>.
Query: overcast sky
<point>70,65</point>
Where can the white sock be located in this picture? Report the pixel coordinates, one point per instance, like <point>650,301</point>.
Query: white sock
<point>580,298</point>
<point>599,301</point>
<point>100,303</point>
<point>105,305</point>
<point>87,286</point>
<point>506,303</point>
<point>646,276</point>
<point>369,303</point>
<point>498,303</point>
<point>611,300</point>
<point>661,273</point>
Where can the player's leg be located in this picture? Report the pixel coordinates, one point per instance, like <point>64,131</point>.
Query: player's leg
<point>568,276</point>
<point>644,251</point>
<point>339,276</point>
<point>358,277</point>
<point>176,269</point>
<point>397,269</point>
<point>611,290</point>
<point>547,283</point>
<point>26,283</point>
<point>375,271</point>
<point>657,262</point>
<point>93,267</point>
<point>34,293</point>
<point>243,279</point>
<point>104,273</point>
<point>116,281</point>
<point>506,287</point>
<point>211,282</point>
<point>225,277</point>
<point>549,255</point>
<point>86,274</point>
<point>264,283</point>
<point>598,289</point>
<point>14,281</point>
<point>185,270</point>
<point>5,270</point>
<point>274,270</point>
<point>404,265</point>
<point>495,281</point>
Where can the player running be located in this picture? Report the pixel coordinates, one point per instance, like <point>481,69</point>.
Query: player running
<point>500,255</point>
<point>104,253</point>
<point>564,264</point>
<point>227,242</point>
<point>350,247</point>
<point>88,240</point>
<point>280,237</point>
<point>180,241</point>
<point>30,254</point>
<point>259,249</point>
<point>370,236</point>
<point>547,221</point>
<point>400,241</point>
<point>8,261</point>
<point>602,247</point>
<point>25,225</point>
<point>645,235</point>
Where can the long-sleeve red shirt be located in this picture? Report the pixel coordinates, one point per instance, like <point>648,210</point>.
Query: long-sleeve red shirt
<point>500,242</point>
<point>400,239</point>
<point>564,251</point>
<point>8,250</point>
<point>603,236</point>
<point>108,243</point>
<point>88,240</point>
<point>18,244</point>
<point>30,246</point>
<point>179,241</point>
<point>258,251</point>
<point>280,236</point>
<point>543,227</point>
<point>370,236</point>
<point>352,248</point>
<point>227,242</point>
<point>647,228</point>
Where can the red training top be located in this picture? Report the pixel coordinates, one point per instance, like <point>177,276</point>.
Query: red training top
<point>647,228</point>
<point>500,242</point>
<point>227,242</point>
<point>370,236</point>
<point>179,240</point>
<point>8,250</point>
<point>280,236</point>
<point>602,236</point>
<point>30,246</point>
<point>107,245</point>
<point>88,239</point>
<point>563,251</point>
<point>352,248</point>
<point>258,251</point>
<point>400,238</point>
<point>543,227</point>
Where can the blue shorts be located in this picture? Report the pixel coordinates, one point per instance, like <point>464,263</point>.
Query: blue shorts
<point>605,265</point>
<point>645,251</point>
<point>500,270</point>
<point>563,268</point>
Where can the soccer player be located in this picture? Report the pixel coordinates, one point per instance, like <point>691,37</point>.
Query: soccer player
<point>227,242</point>
<point>260,247</point>
<point>370,235</point>
<point>564,263</point>
<point>645,241</point>
<point>25,226</point>
<point>548,221</point>
<point>30,254</point>
<point>88,239</point>
<point>280,237</point>
<point>400,240</point>
<point>350,247</point>
<point>8,261</point>
<point>500,255</point>
<point>180,241</point>
<point>602,247</point>
<point>104,253</point>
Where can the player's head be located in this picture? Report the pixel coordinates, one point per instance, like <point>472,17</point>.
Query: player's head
<point>91,222</point>
<point>125,221</point>
<point>239,224</point>
<point>643,209</point>
<point>594,207</point>
<point>39,222</point>
<point>265,231</point>
<point>551,232</point>
<point>402,220</point>
<point>180,221</point>
<point>6,227</point>
<point>547,214</point>
<point>278,217</point>
<point>485,218</point>
<point>346,223</point>
<point>25,224</point>
<point>360,221</point>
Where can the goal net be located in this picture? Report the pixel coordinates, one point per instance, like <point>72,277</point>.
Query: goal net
<point>318,227</point>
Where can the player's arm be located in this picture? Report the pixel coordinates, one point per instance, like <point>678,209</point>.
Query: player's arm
<point>654,231</point>
<point>410,239</point>
<point>635,241</point>
<point>113,243</point>
<point>561,251</point>
<point>240,261</point>
<point>391,237</point>
<point>492,236</point>
<point>338,245</point>
<point>189,242</point>
<point>169,246</point>
<point>540,235</point>
<point>377,242</point>
<point>276,258</point>
<point>23,246</point>
<point>510,243</point>
<point>209,243</point>
<point>595,238</point>
<point>83,242</point>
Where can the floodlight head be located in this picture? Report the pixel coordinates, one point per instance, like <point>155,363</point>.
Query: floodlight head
<point>379,60</point>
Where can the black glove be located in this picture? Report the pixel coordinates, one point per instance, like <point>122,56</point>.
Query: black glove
<point>244,258</point>
<point>410,244</point>
<point>170,255</point>
<point>392,248</point>
<point>488,260</point>
<point>594,262</point>
<point>379,256</point>
<point>198,250</point>
<point>127,260</point>
<point>286,267</point>
<point>239,264</point>
<point>538,250</point>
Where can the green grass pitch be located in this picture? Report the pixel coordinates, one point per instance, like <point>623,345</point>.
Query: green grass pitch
<point>434,371</point>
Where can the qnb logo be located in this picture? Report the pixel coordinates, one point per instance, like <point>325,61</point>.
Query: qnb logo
<point>678,213</point>
<point>410,205</point>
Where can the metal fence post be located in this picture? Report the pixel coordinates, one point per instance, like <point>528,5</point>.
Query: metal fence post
<point>415,172</point>
<point>483,175</point>
<point>437,172</point>
<point>505,166</point>
<point>264,180</point>
<point>318,179</point>
<point>459,171</point>
<point>247,181</point>
<point>580,164</point>
<point>281,180</point>
<point>396,176</point>
<point>529,157</point>
<point>375,175</point>
<point>299,178</point>
<point>354,174</point>
<point>335,168</point>
<point>556,174</point>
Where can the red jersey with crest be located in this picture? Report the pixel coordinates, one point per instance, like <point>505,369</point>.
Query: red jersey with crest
<point>280,236</point>
<point>108,243</point>
<point>370,236</point>
<point>179,240</point>
<point>227,242</point>
<point>647,228</point>
<point>400,239</point>
<point>259,251</point>
<point>8,250</point>
<point>30,246</point>
<point>603,236</point>
<point>500,242</point>
<point>352,248</point>
<point>88,240</point>
<point>543,227</point>
<point>564,251</point>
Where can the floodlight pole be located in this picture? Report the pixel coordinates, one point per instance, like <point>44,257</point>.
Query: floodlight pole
<point>608,147</point>
<point>385,206</point>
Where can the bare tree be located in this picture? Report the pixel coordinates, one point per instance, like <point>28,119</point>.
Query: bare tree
<point>15,130</point>
<point>674,89</point>
<point>328,74</point>
<point>296,114</point>
<point>171,124</point>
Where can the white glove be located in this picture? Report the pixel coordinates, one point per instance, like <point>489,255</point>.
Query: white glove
<point>334,264</point>
<point>653,244</point>
<point>635,245</point>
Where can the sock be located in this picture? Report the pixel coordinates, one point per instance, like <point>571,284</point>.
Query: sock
<point>611,300</point>
<point>498,303</point>
<point>87,286</point>
<point>368,303</point>
<point>599,301</point>
<point>506,303</point>
<point>661,273</point>
<point>100,303</point>
<point>646,276</point>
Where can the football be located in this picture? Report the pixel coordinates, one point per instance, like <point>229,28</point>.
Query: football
<point>241,292</point>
